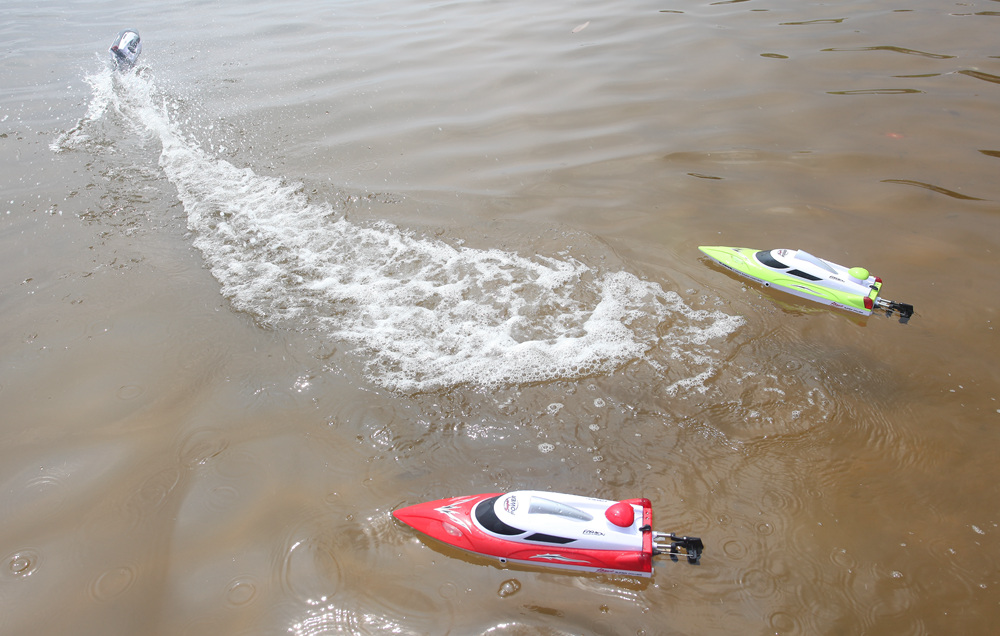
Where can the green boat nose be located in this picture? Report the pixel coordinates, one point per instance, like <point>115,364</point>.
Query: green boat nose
<point>725,255</point>
<point>713,251</point>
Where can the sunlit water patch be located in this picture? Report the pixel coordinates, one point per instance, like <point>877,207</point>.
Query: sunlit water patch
<point>421,312</point>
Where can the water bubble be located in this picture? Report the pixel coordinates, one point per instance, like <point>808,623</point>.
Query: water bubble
<point>22,564</point>
<point>734,549</point>
<point>783,623</point>
<point>241,591</point>
<point>780,500</point>
<point>843,559</point>
<point>765,528</point>
<point>47,489</point>
<point>310,570</point>
<point>758,583</point>
<point>509,588</point>
<point>599,403</point>
<point>448,590</point>
<point>113,583</point>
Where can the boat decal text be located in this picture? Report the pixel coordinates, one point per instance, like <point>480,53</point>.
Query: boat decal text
<point>510,505</point>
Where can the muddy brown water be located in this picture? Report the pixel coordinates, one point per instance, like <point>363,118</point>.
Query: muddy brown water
<point>315,261</point>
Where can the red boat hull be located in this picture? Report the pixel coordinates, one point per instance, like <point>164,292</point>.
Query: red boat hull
<point>451,521</point>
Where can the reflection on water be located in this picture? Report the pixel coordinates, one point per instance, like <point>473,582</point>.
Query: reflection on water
<point>310,263</point>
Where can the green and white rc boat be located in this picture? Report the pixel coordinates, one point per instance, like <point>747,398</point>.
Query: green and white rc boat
<point>801,274</point>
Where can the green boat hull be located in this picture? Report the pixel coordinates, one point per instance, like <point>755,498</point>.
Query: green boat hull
<point>829,284</point>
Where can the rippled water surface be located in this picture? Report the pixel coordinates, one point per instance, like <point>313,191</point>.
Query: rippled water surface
<point>314,261</point>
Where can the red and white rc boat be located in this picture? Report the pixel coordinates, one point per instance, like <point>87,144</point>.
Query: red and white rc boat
<point>553,530</point>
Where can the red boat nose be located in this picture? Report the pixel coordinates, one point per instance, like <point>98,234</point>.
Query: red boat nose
<point>447,520</point>
<point>418,516</point>
<point>405,515</point>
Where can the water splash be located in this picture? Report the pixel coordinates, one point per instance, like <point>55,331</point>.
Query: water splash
<point>102,87</point>
<point>421,312</point>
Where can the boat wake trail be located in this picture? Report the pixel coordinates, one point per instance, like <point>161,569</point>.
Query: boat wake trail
<point>422,313</point>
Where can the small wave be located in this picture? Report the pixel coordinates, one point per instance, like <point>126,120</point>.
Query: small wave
<point>933,188</point>
<point>896,49</point>
<point>986,77</point>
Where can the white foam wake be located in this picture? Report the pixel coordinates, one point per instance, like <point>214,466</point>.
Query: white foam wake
<point>424,314</point>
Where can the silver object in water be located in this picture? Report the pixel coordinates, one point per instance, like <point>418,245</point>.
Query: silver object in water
<point>126,49</point>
